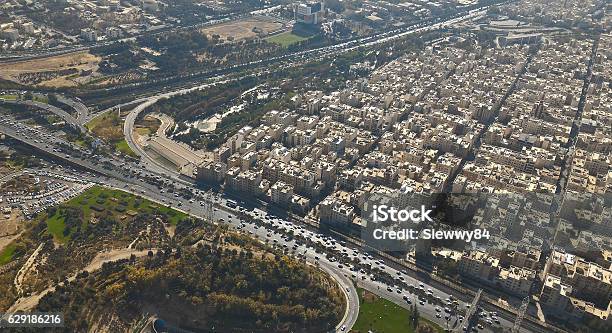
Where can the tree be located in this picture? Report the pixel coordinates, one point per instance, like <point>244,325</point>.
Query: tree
<point>425,328</point>
<point>335,5</point>
<point>53,99</point>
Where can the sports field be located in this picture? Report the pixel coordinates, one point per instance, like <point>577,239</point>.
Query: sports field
<point>286,38</point>
<point>243,29</point>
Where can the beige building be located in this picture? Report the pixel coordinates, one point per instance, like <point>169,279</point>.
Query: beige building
<point>335,212</point>
<point>211,172</point>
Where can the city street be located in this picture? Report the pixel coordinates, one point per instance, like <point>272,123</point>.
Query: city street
<point>123,178</point>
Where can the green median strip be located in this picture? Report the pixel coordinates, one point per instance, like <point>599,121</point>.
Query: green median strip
<point>382,316</point>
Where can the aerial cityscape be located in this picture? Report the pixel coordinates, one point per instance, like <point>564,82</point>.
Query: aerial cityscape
<point>401,166</point>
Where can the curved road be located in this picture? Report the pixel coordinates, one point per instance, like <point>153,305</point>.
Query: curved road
<point>128,133</point>
<point>350,293</point>
<point>81,109</point>
<point>117,178</point>
<point>128,127</point>
<point>69,119</point>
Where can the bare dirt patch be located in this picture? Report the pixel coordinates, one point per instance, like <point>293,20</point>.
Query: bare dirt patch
<point>244,29</point>
<point>57,71</point>
<point>10,225</point>
<point>29,302</point>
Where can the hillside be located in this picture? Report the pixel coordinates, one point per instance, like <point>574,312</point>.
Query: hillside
<point>111,261</point>
<point>200,288</point>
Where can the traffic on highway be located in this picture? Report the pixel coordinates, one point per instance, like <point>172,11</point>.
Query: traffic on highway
<point>367,270</point>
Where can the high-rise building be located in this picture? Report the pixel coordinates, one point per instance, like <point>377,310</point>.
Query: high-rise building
<point>309,13</point>
<point>89,35</point>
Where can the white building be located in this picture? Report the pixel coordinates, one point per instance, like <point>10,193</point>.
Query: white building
<point>89,35</point>
<point>309,13</point>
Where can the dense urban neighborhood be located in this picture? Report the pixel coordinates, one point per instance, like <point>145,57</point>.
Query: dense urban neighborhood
<point>306,166</point>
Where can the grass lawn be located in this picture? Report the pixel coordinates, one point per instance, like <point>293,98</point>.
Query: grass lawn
<point>285,39</point>
<point>81,143</point>
<point>103,120</point>
<point>143,131</point>
<point>7,254</point>
<point>41,99</point>
<point>9,97</point>
<point>147,126</point>
<point>123,147</point>
<point>99,201</point>
<point>382,316</point>
<point>109,127</point>
<point>95,122</point>
<point>56,226</point>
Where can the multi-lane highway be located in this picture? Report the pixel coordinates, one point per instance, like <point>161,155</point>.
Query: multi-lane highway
<point>120,179</point>
<point>131,176</point>
<point>344,263</point>
<point>327,51</point>
<point>291,58</point>
<point>82,112</point>
<point>68,118</point>
<point>349,262</point>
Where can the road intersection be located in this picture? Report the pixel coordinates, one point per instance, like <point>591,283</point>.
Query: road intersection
<point>132,177</point>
